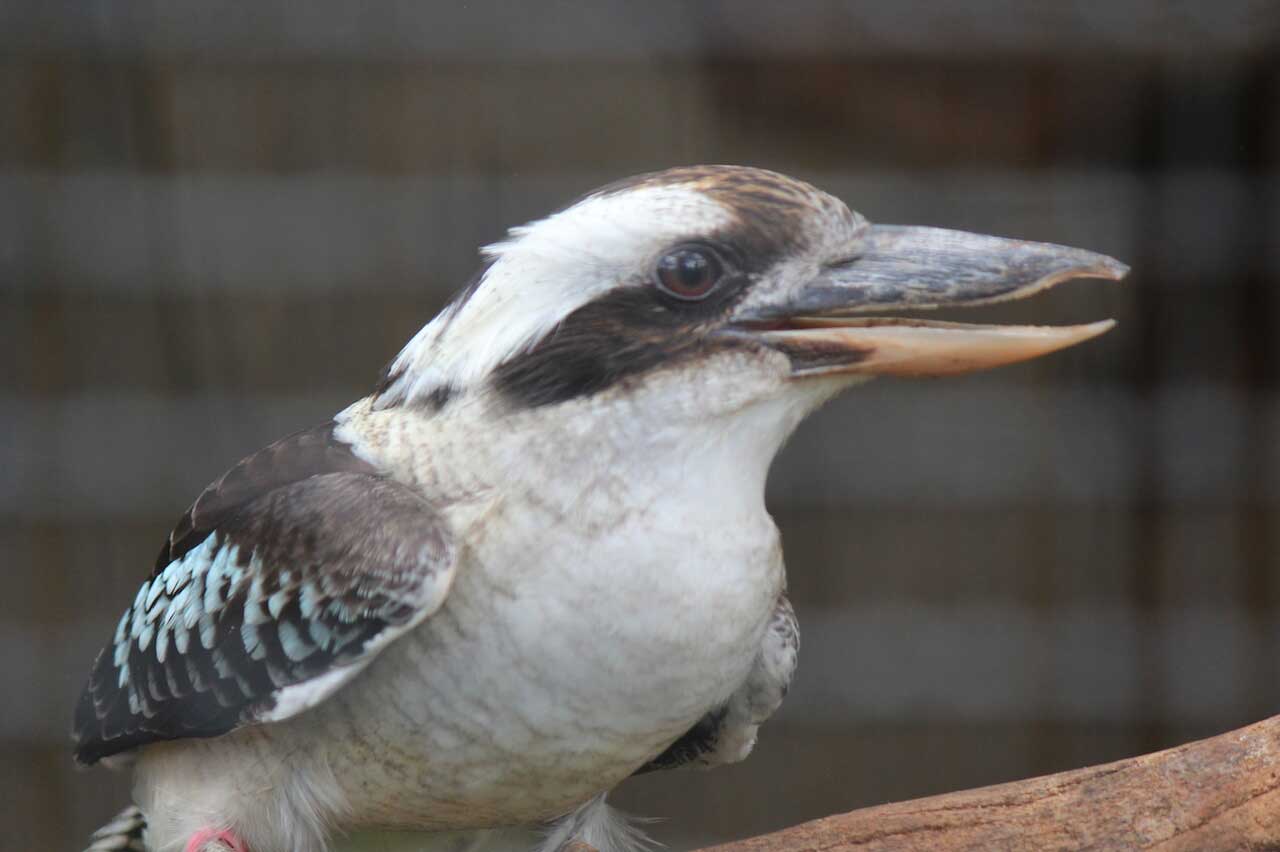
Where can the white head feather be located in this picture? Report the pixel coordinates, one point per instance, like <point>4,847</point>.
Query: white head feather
<point>543,272</point>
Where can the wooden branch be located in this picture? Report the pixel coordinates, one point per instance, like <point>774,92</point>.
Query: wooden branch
<point>1216,794</point>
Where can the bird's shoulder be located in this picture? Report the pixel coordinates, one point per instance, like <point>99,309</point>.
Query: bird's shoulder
<point>309,452</point>
<point>284,578</point>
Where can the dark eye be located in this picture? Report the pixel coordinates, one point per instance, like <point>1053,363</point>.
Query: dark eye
<point>688,273</point>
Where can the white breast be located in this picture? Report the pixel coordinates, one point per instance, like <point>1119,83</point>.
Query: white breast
<point>615,587</point>
<point>573,647</point>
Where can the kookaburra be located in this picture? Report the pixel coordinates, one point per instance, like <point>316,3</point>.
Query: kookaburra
<point>536,559</point>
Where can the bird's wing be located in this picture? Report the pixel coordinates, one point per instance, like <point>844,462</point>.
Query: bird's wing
<point>285,578</point>
<point>727,733</point>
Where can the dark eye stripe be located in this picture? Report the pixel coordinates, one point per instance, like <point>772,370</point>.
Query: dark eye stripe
<point>624,333</point>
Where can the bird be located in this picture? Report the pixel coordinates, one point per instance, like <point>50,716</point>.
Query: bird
<point>536,559</point>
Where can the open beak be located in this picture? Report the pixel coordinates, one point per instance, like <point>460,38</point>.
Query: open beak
<point>825,327</point>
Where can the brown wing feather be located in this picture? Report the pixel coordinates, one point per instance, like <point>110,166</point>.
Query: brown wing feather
<point>300,561</point>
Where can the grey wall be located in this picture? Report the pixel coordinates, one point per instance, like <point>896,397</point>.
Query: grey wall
<point>218,220</point>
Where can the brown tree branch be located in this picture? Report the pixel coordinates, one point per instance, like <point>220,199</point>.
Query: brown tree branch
<point>1215,794</point>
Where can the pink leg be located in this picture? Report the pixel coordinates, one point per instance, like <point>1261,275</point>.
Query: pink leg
<point>206,836</point>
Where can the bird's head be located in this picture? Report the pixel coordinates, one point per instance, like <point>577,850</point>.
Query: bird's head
<point>713,288</point>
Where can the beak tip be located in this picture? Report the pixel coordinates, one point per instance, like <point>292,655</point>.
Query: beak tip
<point>1109,268</point>
<point>1100,327</point>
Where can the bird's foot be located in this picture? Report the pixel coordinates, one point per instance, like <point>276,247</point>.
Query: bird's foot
<point>215,840</point>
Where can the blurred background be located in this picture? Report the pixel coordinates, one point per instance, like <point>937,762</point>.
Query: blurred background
<point>219,220</point>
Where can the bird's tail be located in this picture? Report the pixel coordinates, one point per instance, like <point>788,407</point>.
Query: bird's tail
<point>597,827</point>
<point>122,834</point>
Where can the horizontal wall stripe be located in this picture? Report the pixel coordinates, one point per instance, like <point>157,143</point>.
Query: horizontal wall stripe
<point>280,342</point>
<point>158,116</point>
<point>967,442</point>
<point>986,661</point>
<point>334,233</point>
<point>886,661</point>
<point>113,455</point>
<point>490,30</point>
<point>62,570</point>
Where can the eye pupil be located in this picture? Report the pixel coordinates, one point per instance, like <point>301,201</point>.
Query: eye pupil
<point>688,273</point>
<point>693,269</point>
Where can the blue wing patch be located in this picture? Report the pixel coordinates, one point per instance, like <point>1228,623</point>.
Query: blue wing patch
<point>293,586</point>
